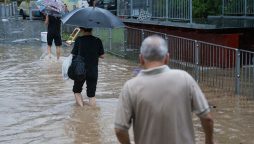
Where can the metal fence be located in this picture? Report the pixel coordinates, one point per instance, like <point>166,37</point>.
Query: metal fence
<point>15,31</point>
<point>8,10</point>
<point>156,9</point>
<point>238,7</point>
<point>214,65</point>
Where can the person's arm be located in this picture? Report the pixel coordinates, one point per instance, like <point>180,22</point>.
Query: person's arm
<point>207,124</point>
<point>75,47</point>
<point>101,49</point>
<point>201,108</point>
<point>124,115</point>
<point>47,20</point>
<point>122,136</point>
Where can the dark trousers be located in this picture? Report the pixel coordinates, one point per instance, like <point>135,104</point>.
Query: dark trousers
<point>91,82</point>
<point>56,37</point>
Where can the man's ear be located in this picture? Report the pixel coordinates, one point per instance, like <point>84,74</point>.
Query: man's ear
<point>141,60</point>
<point>166,59</point>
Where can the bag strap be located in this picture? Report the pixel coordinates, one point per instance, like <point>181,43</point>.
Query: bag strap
<point>79,47</point>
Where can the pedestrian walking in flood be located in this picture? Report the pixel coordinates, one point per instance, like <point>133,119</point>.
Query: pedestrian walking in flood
<point>159,101</point>
<point>91,49</point>
<point>92,3</point>
<point>54,33</point>
<point>66,10</point>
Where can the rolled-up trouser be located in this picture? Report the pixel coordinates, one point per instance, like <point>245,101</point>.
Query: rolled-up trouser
<point>91,82</point>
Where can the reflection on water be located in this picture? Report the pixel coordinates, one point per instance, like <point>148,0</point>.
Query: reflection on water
<point>38,106</point>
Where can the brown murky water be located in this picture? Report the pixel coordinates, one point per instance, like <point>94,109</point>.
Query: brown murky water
<point>37,105</point>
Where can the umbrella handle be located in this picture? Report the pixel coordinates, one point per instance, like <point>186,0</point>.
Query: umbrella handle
<point>73,36</point>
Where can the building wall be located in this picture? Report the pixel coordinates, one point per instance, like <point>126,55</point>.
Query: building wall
<point>220,38</point>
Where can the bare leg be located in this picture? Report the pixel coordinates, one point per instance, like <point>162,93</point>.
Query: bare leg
<point>49,51</point>
<point>92,101</point>
<point>79,99</point>
<point>58,52</point>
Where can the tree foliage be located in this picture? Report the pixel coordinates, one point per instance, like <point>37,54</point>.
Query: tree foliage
<point>203,8</point>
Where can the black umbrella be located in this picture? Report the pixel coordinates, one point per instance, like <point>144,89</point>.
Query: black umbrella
<point>92,17</point>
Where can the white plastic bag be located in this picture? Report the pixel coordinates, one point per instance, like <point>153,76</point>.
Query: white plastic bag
<point>65,66</point>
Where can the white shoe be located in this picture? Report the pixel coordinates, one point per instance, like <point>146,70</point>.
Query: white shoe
<point>92,101</point>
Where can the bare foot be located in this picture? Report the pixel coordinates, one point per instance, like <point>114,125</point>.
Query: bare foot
<point>92,101</point>
<point>79,99</point>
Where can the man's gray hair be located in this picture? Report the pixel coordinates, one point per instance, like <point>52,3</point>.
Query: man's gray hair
<point>154,48</point>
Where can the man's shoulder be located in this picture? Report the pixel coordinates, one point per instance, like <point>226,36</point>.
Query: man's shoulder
<point>178,71</point>
<point>132,81</point>
<point>181,75</point>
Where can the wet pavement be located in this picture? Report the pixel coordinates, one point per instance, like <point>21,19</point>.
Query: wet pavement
<point>37,105</point>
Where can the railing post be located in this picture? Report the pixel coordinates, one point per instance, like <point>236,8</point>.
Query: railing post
<point>15,9</point>
<point>245,7</point>
<point>110,39</point>
<point>253,74</point>
<point>97,32</point>
<point>125,45</point>
<point>237,72</point>
<point>191,11</point>
<point>10,10</point>
<point>2,11</point>
<point>5,11</point>
<point>197,47</point>
<point>147,5</point>
<point>142,34</point>
<point>166,39</point>
<point>131,9</point>
<point>30,13</point>
<point>5,20</point>
<point>167,6</point>
<point>222,8</point>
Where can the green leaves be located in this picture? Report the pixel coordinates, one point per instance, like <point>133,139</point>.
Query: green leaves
<point>203,8</point>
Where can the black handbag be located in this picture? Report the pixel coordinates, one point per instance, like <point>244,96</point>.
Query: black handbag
<point>77,71</point>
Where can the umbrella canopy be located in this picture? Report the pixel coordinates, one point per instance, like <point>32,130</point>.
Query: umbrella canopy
<point>51,7</point>
<point>92,17</point>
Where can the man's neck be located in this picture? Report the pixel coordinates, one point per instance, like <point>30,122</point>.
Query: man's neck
<point>153,65</point>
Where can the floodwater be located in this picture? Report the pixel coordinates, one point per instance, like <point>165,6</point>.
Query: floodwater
<point>37,105</point>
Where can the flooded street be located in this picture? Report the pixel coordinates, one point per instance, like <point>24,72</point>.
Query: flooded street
<point>38,107</point>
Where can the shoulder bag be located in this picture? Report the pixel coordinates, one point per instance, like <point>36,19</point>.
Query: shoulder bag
<point>77,71</point>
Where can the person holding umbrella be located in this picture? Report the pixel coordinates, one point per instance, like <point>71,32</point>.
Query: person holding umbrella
<point>91,49</point>
<point>54,33</point>
<point>53,10</point>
